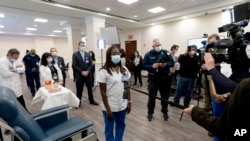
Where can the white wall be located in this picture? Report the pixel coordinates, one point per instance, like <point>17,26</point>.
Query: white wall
<point>177,32</point>
<point>41,44</point>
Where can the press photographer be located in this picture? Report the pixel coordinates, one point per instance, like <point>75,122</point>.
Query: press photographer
<point>188,73</point>
<point>157,62</point>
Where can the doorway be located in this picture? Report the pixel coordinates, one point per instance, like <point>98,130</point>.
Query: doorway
<point>130,48</point>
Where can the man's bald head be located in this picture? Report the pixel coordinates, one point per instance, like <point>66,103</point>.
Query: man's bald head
<point>32,51</point>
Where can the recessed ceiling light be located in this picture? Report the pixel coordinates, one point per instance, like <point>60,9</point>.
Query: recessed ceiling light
<point>30,28</point>
<point>41,20</point>
<point>156,10</point>
<point>108,9</point>
<point>128,2</point>
<point>35,25</point>
<point>152,23</point>
<point>57,31</point>
<point>2,15</point>
<point>135,16</point>
<point>184,17</point>
<point>1,26</point>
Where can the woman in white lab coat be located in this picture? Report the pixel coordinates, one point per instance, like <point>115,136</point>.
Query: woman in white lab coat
<point>50,70</point>
<point>10,70</point>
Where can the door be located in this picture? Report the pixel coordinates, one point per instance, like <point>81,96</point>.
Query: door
<point>130,48</point>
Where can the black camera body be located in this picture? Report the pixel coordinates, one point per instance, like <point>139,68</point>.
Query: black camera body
<point>231,50</point>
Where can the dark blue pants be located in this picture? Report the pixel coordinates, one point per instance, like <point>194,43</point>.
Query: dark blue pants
<point>184,86</point>
<point>119,122</point>
<point>218,109</point>
<point>32,78</point>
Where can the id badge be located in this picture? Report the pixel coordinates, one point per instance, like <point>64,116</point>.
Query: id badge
<point>60,66</point>
<point>55,77</point>
<point>125,77</point>
<point>87,61</point>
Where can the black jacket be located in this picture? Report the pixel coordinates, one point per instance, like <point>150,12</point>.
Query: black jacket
<point>79,65</point>
<point>188,66</point>
<point>235,115</point>
<point>61,65</point>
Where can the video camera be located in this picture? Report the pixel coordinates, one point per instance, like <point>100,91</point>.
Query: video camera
<point>232,50</point>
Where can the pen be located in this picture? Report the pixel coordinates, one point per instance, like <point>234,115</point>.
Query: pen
<point>181,115</point>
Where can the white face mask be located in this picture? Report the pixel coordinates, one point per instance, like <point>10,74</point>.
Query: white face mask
<point>54,53</point>
<point>193,52</point>
<point>82,49</point>
<point>49,60</point>
<point>248,51</point>
<point>158,49</point>
<point>13,60</point>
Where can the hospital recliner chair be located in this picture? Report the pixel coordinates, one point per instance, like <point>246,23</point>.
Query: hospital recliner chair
<point>49,125</point>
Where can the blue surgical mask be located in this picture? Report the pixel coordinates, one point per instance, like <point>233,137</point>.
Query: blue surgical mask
<point>158,49</point>
<point>115,59</point>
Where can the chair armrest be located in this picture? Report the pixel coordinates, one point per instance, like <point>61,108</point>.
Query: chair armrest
<point>51,111</point>
<point>53,116</point>
<point>68,129</point>
<point>21,133</point>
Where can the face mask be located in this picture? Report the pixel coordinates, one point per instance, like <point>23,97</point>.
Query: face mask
<point>82,49</point>
<point>13,60</point>
<point>54,53</point>
<point>158,49</point>
<point>32,55</point>
<point>248,51</point>
<point>49,60</point>
<point>193,52</point>
<point>136,54</point>
<point>115,59</point>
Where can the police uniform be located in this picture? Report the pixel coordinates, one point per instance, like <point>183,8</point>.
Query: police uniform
<point>32,71</point>
<point>158,79</point>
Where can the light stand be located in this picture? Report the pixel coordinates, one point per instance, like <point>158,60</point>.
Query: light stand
<point>101,44</point>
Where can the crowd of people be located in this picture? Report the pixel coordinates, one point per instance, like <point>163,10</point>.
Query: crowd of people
<point>164,68</point>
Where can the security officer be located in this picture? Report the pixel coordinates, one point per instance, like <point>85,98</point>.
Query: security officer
<point>31,62</point>
<point>157,62</point>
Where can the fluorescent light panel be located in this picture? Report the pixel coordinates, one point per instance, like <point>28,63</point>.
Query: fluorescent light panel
<point>108,9</point>
<point>156,10</point>
<point>32,29</point>
<point>128,2</point>
<point>57,31</point>
<point>1,26</point>
<point>2,15</point>
<point>41,20</point>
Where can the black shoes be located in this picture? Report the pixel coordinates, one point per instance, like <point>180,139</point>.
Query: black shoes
<point>94,103</point>
<point>165,116</point>
<point>150,117</point>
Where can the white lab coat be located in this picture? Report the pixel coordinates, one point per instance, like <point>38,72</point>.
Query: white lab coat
<point>11,79</point>
<point>45,73</point>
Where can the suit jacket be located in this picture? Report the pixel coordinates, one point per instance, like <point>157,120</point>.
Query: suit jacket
<point>61,65</point>
<point>79,65</point>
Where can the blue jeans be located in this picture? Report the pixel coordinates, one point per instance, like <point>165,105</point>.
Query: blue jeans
<point>218,109</point>
<point>119,121</point>
<point>184,86</point>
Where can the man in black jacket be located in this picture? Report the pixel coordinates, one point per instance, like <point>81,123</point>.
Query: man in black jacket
<point>82,65</point>
<point>60,62</point>
<point>188,72</point>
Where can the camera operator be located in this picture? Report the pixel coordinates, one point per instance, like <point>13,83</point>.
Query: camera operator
<point>234,117</point>
<point>157,62</point>
<point>188,72</point>
<point>208,90</point>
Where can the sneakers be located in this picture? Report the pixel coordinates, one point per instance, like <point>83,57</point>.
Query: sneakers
<point>165,116</point>
<point>150,116</point>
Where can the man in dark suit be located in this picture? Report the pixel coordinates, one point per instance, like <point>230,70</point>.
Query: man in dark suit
<point>82,65</point>
<point>60,62</point>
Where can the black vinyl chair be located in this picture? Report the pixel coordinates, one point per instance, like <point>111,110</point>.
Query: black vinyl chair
<point>49,125</point>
